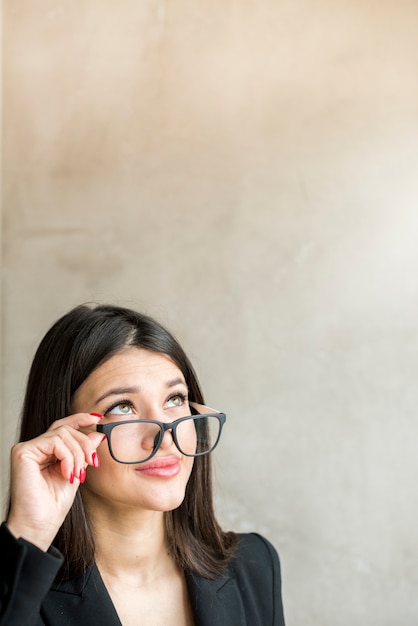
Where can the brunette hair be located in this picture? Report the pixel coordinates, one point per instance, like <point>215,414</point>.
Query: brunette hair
<point>77,344</point>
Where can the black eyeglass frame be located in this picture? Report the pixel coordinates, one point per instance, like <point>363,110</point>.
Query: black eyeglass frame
<point>106,429</point>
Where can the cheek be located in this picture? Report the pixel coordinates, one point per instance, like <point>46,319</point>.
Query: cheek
<point>188,462</point>
<point>187,437</point>
<point>106,469</point>
<point>104,454</point>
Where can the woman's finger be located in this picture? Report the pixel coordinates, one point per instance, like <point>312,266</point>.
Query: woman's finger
<point>77,421</point>
<point>72,448</point>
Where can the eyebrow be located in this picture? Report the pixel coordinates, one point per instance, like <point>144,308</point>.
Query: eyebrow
<point>120,391</point>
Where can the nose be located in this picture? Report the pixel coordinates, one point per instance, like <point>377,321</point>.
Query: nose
<point>155,413</point>
<point>167,439</point>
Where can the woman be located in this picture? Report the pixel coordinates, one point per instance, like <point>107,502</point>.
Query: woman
<point>111,518</point>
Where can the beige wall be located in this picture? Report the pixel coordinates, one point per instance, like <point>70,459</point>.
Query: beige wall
<point>247,172</point>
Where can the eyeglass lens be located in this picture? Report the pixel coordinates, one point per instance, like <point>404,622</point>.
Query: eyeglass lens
<point>133,442</point>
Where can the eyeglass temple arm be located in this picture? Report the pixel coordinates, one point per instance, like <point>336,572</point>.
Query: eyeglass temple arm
<point>202,408</point>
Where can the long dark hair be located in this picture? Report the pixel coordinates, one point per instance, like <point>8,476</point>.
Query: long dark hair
<point>74,346</point>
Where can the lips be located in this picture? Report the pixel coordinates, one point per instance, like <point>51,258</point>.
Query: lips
<point>163,467</point>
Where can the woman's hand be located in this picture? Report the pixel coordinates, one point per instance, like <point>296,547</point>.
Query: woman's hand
<point>46,473</point>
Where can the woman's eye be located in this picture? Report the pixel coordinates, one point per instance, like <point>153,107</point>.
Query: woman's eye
<point>123,408</point>
<point>176,401</point>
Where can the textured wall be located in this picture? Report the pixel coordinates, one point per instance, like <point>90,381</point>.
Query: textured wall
<point>247,172</point>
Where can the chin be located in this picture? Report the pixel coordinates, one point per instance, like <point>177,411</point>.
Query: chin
<point>169,503</point>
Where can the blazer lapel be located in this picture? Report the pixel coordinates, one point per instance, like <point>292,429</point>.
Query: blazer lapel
<point>215,602</point>
<point>83,600</point>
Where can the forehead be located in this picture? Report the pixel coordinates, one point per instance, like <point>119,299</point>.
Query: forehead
<point>132,366</point>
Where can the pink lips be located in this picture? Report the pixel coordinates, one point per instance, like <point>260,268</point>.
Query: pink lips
<point>163,467</point>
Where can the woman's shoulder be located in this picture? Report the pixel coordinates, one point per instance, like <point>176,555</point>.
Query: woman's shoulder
<point>255,570</point>
<point>255,544</point>
<point>255,555</point>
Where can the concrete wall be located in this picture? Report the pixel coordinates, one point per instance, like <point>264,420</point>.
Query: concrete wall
<point>247,172</point>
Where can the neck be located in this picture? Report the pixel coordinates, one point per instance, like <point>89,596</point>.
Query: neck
<point>130,543</point>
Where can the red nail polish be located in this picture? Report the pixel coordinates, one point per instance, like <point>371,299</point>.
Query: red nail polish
<point>72,478</point>
<point>97,415</point>
<point>104,437</point>
<point>95,459</point>
<point>82,477</point>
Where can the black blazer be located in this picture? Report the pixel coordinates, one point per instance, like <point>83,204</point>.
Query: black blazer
<point>248,594</point>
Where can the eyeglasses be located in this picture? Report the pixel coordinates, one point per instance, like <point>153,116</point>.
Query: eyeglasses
<point>137,441</point>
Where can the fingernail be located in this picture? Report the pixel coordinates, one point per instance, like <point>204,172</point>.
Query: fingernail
<point>82,476</point>
<point>72,478</point>
<point>95,459</point>
<point>104,437</point>
<point>97,415</point>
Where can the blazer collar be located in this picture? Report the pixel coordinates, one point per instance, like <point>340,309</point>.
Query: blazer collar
<point>214,602</point>
<point>85,598</point>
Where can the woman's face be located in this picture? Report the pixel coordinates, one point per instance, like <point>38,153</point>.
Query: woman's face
<point>138,384</point>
